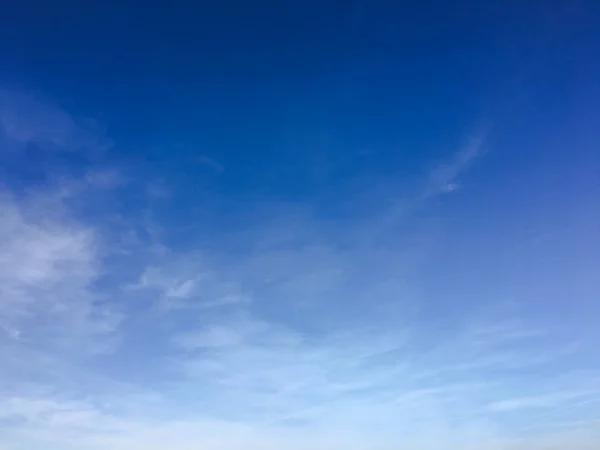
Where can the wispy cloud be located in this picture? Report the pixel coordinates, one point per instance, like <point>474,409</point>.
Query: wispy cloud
<point>210,162</point>
<point>48,263</point>
<point>104,179</point>
<point>187,281</point>
<point>545,401</point>
<point>49,257</point>
<point>26,119</point>
<point>444,178</point>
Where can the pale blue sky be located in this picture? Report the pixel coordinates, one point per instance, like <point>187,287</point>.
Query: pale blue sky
<point>267,225</point>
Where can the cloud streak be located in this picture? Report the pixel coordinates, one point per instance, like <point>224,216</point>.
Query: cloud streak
<point>47,264</point>
<point>26,119</point>
<point>444,178</point>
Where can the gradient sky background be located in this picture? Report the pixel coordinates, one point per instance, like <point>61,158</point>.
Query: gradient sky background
<point>264,225</point>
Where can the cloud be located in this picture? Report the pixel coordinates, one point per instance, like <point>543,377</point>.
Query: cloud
<point>355,379</point>
<point>174,286</point>
<point>444,177</point>
<point>27,119</point>
<point>48,263</point>
<point>543,401</point>
<point>104,179</point>
<point>210,162</point>
<point>187,281</point>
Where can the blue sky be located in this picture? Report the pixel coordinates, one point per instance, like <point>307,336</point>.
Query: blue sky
<point>303,225</point>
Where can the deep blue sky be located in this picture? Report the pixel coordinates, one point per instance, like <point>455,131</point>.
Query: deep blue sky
<point>343,224</point>
<point>277,84</point>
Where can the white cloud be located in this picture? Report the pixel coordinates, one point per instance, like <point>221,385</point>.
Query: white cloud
<point>188,281</point>
<point>177,286</point>
<point>48,262</point>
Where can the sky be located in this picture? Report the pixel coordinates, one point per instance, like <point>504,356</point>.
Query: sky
<point>358,225</point>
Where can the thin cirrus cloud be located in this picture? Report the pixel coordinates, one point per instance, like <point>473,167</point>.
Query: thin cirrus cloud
<point>444,177</point>
<point>48,262</point>
<point>292,337</point>
<point>26,119</point>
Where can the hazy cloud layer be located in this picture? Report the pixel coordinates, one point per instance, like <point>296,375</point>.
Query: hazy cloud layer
<point>290,331</point>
